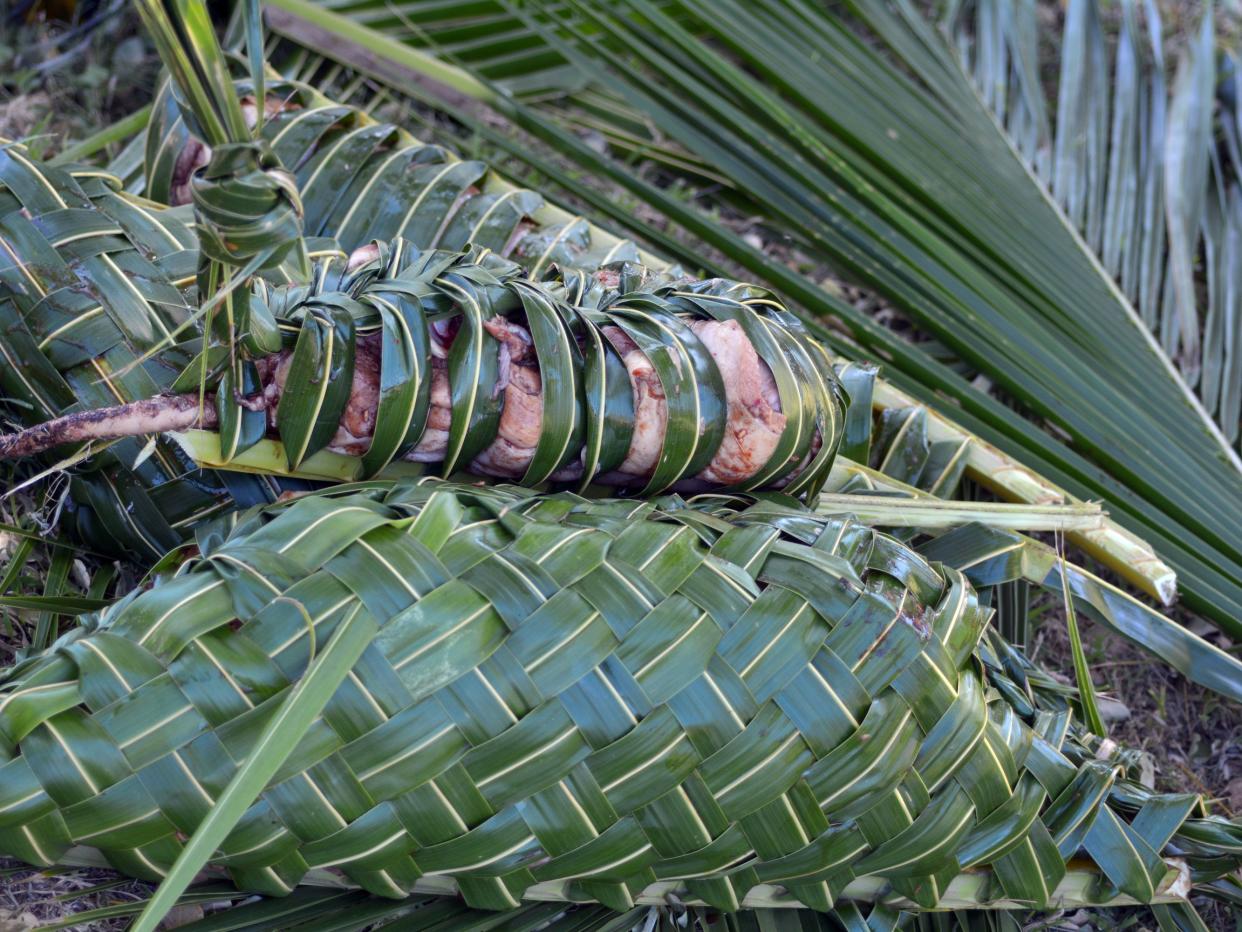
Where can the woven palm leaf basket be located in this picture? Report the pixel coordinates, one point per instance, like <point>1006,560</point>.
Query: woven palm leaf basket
<point>730,700</point>
<point>98,296</point>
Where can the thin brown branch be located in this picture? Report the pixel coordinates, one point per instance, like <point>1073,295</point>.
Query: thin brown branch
<point>149,416</point>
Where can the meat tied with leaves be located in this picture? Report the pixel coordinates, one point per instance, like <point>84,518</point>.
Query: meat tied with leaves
<point>754,422</point>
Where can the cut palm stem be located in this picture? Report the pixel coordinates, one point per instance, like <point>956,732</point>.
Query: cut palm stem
<point>900,511</point>
<point>1110,543</point>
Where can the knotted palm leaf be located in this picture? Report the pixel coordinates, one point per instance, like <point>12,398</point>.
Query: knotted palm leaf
<point>92,281</point>
<point>550,697</point>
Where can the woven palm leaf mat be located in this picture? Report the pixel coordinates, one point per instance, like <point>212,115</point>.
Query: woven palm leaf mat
<point>92,281</point>
<point>593,700</point>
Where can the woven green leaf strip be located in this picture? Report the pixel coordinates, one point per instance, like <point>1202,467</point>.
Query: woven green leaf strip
<point>578,327</point>
<point>361,180</point>
<point>589,698</point>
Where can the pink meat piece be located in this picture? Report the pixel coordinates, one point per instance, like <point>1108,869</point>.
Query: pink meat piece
<point>521,417</point>
<point>755,422</point>
<point>357,424</point>
<point>650,406</point>
<point>752,431</point>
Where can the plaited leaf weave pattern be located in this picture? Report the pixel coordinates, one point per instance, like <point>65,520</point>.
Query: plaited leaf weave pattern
<point>90,281</point>
<point>592,696</point>
<point>589,414</point>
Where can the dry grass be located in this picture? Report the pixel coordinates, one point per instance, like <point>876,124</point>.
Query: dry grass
<point>1193,736</point>
<point>60,81</point>
<point>30,898</point>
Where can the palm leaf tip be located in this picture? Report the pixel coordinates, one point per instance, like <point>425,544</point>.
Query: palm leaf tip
<point>581,699</point>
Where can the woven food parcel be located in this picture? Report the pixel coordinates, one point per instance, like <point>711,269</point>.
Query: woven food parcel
<point>732,699</point>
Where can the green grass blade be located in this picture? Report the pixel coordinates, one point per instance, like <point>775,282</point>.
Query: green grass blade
<point>1082,670</point>
<point>54,605</point>
<point>279,737</point>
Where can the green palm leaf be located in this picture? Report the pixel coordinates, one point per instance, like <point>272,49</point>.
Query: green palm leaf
<point>1135,164</point>
<point>92,280</point>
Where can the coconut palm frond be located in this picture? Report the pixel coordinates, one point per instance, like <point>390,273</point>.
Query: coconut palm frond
<point>419,701</point>
<point>1143,159</point>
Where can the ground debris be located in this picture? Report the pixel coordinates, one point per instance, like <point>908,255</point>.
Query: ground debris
<point>31,896</point>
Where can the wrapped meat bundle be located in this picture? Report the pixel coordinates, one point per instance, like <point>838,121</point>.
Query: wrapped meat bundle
<point>457,359</point>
